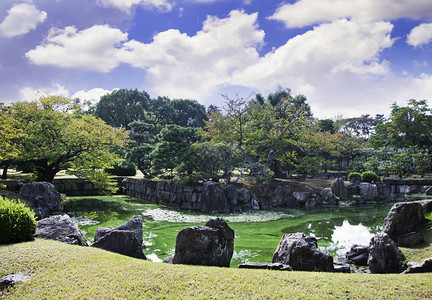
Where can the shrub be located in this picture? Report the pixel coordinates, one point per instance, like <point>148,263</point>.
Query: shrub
<point>369,176</point>
<point>17,222</point>
<point>354,175</point>
<point>124,168</point>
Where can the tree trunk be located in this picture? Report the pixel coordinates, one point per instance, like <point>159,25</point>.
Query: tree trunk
<point>5,169</point>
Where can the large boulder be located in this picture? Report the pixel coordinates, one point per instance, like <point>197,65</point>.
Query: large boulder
<point>410,239</point>
<point>123,242</point>
<point>358,255</point>
<point>338,188</point>
<point>403,217</point>
<point>135,225</point>
<point>425,267</point>
<point>327,194</point>
<point>369,191</point>
<point>209,245</point>
<point>385,256</point>
<point>302,254</point>
<point>44,198</point>
<point>213,199</point>
<point>60,228</point>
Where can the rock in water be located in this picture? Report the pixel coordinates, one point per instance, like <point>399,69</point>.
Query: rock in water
<point>60,228</point>
<point>385,256</point>
<point>44,197</point>
<point>123,242</point>
<point>302,254</point>
<point>338,188</point>
<point>135,225</point>
<point>209,245</point>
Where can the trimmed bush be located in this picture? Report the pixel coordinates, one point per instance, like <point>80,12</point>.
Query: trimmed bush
<point>17,222</point>
<point>369,176</point>
<point>354,175</point>
<point>124,168</point>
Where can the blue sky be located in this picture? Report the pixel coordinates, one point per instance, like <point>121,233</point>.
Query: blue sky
<point>348,57</point>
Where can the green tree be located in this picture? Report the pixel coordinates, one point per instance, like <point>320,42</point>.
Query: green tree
<point>262,132</point>
<point>173,147</point>
<point>407,126</point>
<point>143,141</point>
<point>122,107</point>
<point>58,137</point>
<point>188,113</point>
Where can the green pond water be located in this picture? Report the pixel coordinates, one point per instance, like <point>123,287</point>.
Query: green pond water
<point>257,234</point>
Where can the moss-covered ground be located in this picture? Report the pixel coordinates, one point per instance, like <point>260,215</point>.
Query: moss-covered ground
<point>61,271</point>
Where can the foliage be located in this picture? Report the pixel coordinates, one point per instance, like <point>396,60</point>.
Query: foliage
<point>354,175</point>
<point>188,113</point>
<point>209,161</point>
<point>408,126</point>
<point>262,130</point>
<point>17,222</point>
<point>123,168</point>
<point>173,147</point>
<point>58,137</point>
<point>369,176</point>
<point>143,140</point>
<point>121,107</point>
<point>101,180</point>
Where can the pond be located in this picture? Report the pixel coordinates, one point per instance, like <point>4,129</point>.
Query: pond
<point>257,234</point>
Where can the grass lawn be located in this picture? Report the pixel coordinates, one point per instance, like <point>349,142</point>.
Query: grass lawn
<point>61,271</point>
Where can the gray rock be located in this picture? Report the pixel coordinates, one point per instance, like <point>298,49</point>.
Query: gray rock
<point>425,267</point>
<point>385,256</point>
<point>123,242</point>
<point>232,195</point>
<point>327,194</point>
<point>135,225</point>
<point>267,266</point>
<point>168,260</point>
<point>44,197</point>
<point>301,197</point>
<point>403,217</point>
<point>410,239</point>
<point>340,266</point>
<point>209,245</point>
<point>60,228</point>
<point>358,255</point>
<point>310,203</point>
<point>12,279</point>
<point>302,254</point>
<point>428,191</point>
<point>369,191</point>
<point>213,198</point>
<point>338,188</point>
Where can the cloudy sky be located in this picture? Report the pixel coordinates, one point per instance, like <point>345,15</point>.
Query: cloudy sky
<point>349,57</point>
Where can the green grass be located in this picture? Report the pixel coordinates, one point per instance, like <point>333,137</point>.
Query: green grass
<point>61,271</point>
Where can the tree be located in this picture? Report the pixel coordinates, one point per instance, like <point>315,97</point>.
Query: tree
<point>122,107</point>
<point>143,137</point>
<point>407,126</point>
<point>188,113</point>
<point>262,131</point>
<point>58,137</point>
<point>173,147</point>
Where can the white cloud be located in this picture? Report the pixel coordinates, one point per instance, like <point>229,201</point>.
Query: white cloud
<point>21,19</point>
<point>420,35</point>
<point>92,95</point>
<point>327,50</point>
<point>309,12</point>
<point>29,93</point>
<point>179,65</point>
<point>126,5</point>
<point>92,49</point>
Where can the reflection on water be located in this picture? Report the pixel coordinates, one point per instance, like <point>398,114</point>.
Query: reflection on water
<point>257,234</point>
<point>347,235</point>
